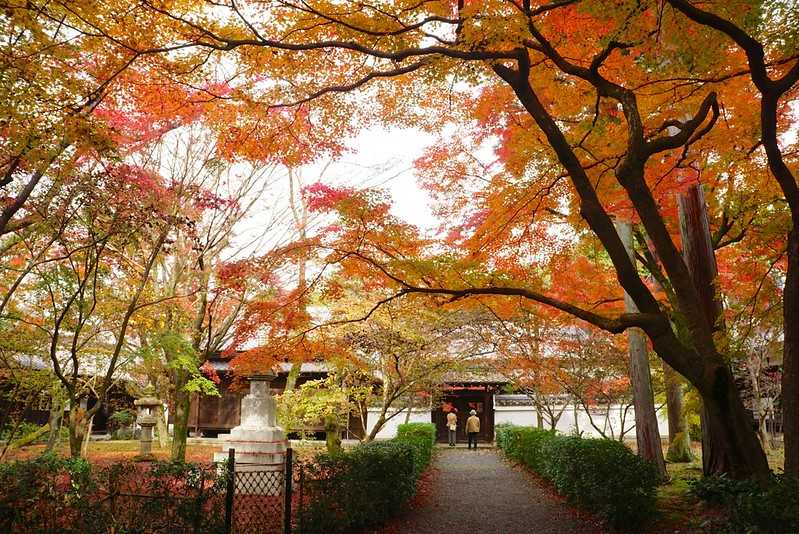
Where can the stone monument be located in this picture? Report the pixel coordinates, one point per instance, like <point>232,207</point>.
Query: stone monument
<point>259,443</point>
<point>146,420</point>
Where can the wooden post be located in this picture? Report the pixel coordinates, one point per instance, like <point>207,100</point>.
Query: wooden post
<point>301,501</point>
<point>647,433</point>
<point>231,488</point>
<point>287,491</point>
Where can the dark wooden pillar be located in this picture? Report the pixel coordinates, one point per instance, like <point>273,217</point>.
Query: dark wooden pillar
<point>490,403</point>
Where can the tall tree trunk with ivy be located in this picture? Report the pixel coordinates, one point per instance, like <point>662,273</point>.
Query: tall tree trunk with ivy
<point>162,427</point>
<point>701,261</point>
<point>57,401</point>
<point>679,438</point>
<point>332,434</point>
<point>182,407</point>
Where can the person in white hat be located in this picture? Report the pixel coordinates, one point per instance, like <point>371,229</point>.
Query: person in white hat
<point>472,429</point>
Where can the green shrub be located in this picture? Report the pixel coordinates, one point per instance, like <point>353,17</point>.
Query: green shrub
<point>600,475</point>
<point>719,489</point>
<point>754,509</point>
<point>51,494</point>
<point>37,495</point>
<point>603,476</point>
<point>422,437</point>
<point>366,485</point>
<point>122,434</point>
<point>773,509</point>
<point>425,430</point>
<point>121,419</point>
<point>502,433</point>
<point>357,488</point>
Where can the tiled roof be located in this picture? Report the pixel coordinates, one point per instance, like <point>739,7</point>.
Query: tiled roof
<point>474,376</point>
<point>280,368</point>
<point>512,400</point>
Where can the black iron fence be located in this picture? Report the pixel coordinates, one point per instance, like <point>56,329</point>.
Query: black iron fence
<point>51,494</point>
<point>258,497</point>
<point>72,496</point>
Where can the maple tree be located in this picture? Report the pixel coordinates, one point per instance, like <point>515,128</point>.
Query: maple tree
<point>595,375</point>
<point>193,311</point>
<point>558,363</point>
<point>770,49</point>
<point>329,401</point>
<point>124,243</point>
<point>598,111</point>
<point>525,359</point>
<point>81,300</point>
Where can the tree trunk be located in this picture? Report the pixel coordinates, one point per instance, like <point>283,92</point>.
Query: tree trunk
<point>291,378</point>
<point>729,443</point>
<point>84,447</point>
<point>163,431</point>
<point>181,424</point>
<point>29,438</point>
<point>647,433</point>
<point>733,447</point>
<point>679,437</point>
<point>78,425</point>
<point>763,433</point>
<point>408,412</point>
<point>790,370</point>
<point>332,434</point>
<point>381,420</point>
<point>754,368</point>
<point>539,418</point>
<point>56,415</point>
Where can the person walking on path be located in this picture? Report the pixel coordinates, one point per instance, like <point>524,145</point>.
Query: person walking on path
<point>472,429</point>
<point>452,426</point>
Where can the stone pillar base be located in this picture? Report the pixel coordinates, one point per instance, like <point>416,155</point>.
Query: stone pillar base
<point>259,443</point>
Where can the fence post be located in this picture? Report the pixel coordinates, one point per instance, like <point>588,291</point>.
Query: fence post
<point>231,488</point>
<point>288,474</point>
<point>301,502</point>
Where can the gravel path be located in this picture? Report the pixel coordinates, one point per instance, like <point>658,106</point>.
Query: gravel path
<point>475,492</point>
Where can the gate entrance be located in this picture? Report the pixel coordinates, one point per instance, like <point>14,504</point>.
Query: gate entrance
<point>462,395</point>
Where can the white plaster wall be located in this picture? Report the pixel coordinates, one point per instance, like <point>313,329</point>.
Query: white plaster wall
<point>515,415</point>
<point>526,416</point>
<point>389,430</point>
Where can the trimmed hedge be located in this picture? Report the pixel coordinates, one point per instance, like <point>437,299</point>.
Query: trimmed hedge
<point>365,485</point>
<point>773,508</point>
<point>600,475</point>
<point>422,436</point>
<point>52,494</point>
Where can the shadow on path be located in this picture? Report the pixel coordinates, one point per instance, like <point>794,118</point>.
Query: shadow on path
<point>475,492</point>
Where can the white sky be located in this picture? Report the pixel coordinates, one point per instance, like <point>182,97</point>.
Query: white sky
<point>378,158</point>
<point>395,151</point>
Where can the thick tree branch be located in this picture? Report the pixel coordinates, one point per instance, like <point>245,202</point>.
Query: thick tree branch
<point>356,84</point>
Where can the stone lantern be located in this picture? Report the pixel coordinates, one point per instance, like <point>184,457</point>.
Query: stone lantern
<point>147,419</point>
